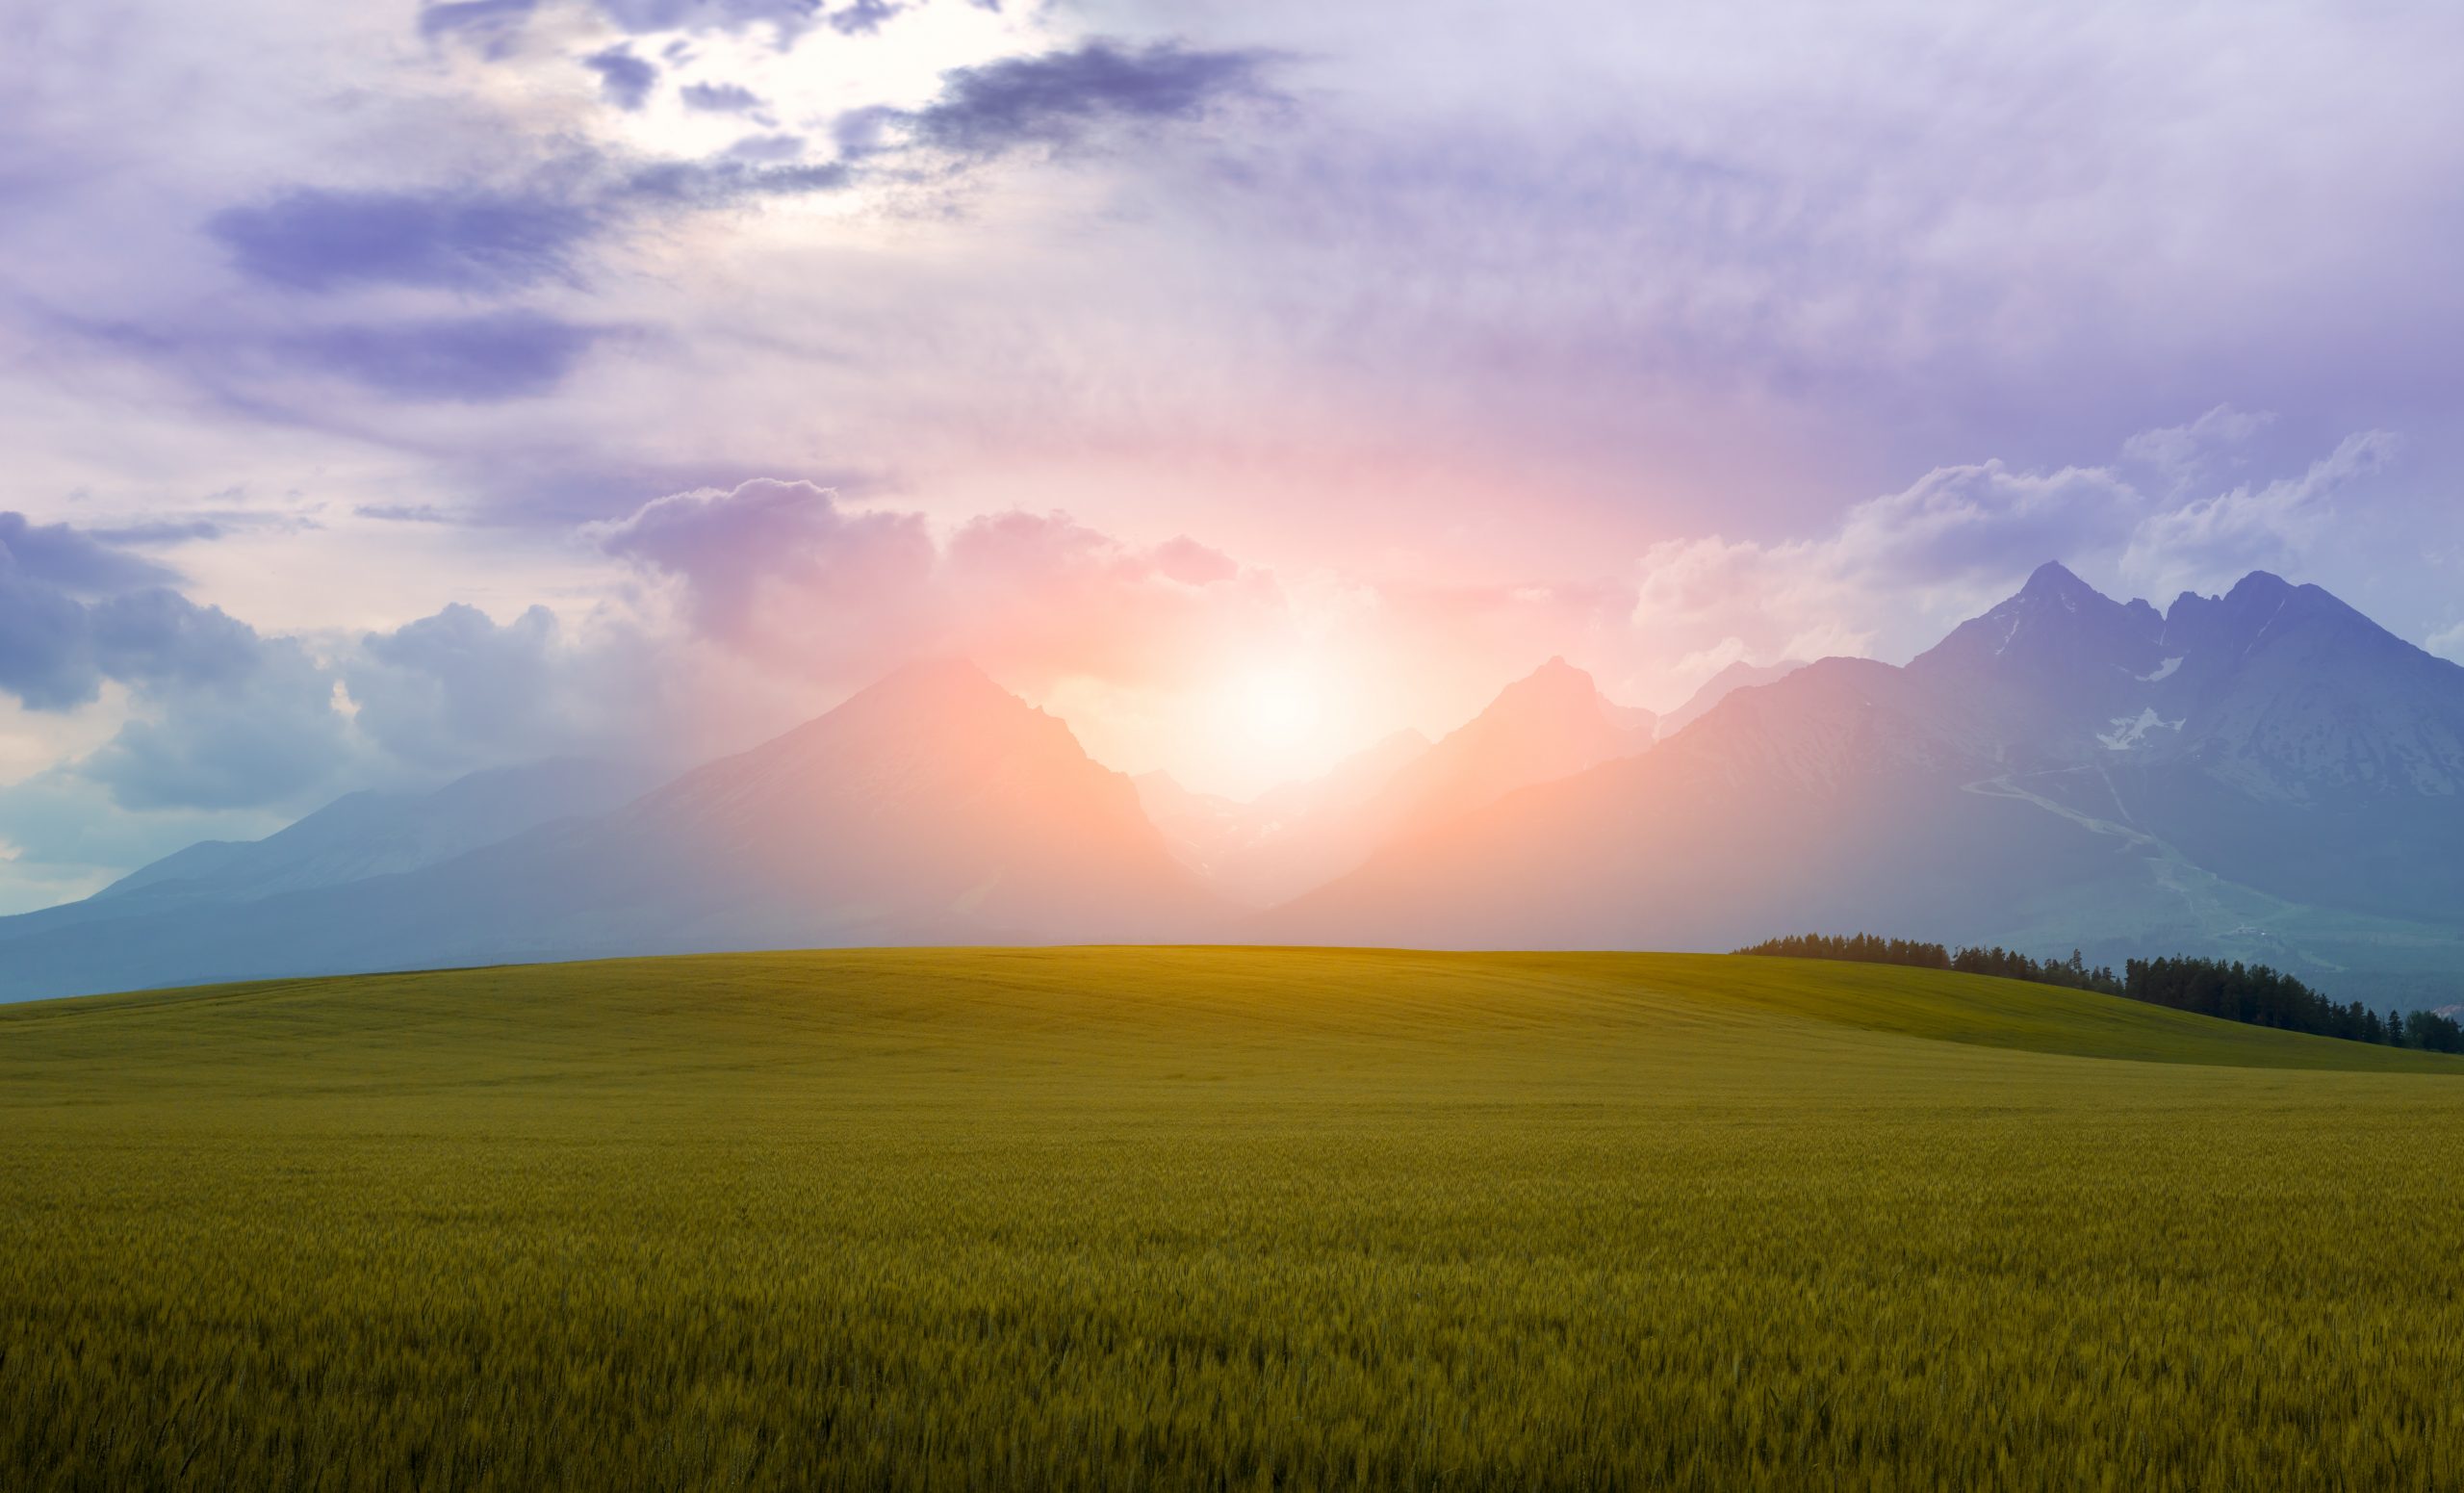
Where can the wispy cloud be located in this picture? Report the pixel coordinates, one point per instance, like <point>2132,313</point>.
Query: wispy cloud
<point>1056,99</point>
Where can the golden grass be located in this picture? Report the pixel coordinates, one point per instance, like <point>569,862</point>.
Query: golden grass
<point>1217,1218</point>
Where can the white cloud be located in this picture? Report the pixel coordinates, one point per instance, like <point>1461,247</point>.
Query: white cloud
<point>1900,568</point>
<point>2209,543</point>
<point>2181,455</point>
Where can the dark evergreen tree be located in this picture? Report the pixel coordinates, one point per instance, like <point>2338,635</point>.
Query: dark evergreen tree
<point>2253,995</point>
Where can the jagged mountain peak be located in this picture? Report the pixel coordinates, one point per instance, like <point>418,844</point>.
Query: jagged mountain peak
<point>1553,692</point>
<point>2055,624</point>
<point>2056,580</point>
<point>2054,585</point>
<point>948,681</point>
<point>945,709</point>
<point>1736,675</point>
<point>2261,608</point>
<point>1554,680</point>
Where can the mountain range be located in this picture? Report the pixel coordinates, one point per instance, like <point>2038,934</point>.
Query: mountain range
<point>1551,724</point>
<point>2266,775</point>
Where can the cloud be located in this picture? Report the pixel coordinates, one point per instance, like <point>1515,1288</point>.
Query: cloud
<point>1054,98</point>
<point>500,355</point>
<point>766,148</point>
<point>224,718</point>
<point>2215,540</point>
<point>1957,526</point>
<point>2182,454</point>
<point>200,527</point>
<point>864,17</point>
<point>1755,601</point>
<point>456,690</point>
<point>1038,596</point>
<point>160,638</point>
<point>70,559</point>
<point>47,656</point>
<point>2448,644</point>
<point>403,512</point>
<point>493,24</point>
<point>250,723</point>
<point>219,717</point>
<point>1899,567</point>
<point>312,239</point>
<point>1894,569</point>
<point>788,16</point>
<point>162,532</point>
<point>623,79</point>
<point>729,179</point>
<point>780,570</point>
<point>55,583</point>
<point>720,97</point>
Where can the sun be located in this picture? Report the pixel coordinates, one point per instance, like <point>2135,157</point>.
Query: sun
<point>1276,709</point>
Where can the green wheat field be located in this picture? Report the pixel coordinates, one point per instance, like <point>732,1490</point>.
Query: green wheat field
<point>1199,1217</point>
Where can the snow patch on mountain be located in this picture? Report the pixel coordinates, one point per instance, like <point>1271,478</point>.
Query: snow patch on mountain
<point>2131,730</point>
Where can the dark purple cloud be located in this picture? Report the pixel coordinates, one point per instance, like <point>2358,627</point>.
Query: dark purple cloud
<point>720,98</point>
<point>726,179</point>
<point>626,80</point>
<point>474,359</point>
<point>312,239</point>
<point>1053,98</point>
<point>46,658</point>
<point>864,17</point>
<point>735,551</point>
<point>159,636</point>
<point>789,16</point>
<point>75,611</point>
<point>71,560</point>
<point>767,148</point>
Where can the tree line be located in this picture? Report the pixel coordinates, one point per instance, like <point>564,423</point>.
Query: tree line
<point>2253,995</point>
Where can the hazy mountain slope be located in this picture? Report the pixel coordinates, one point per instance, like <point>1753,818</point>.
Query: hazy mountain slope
<point>365,835</point>
<point>2273,736</point>
<point>1289,838</point>
<point>1551,724</point>
<point>2264,774</point>
<point>1198,827</point>
<point>356,837</point>
<point>933,799</point>
<point>931,808</point>
<point>1831,796</point>
<point>1719,687</point>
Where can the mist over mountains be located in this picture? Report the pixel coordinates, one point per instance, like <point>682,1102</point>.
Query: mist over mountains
<point>1551,724</point>
<point>2265,775</point>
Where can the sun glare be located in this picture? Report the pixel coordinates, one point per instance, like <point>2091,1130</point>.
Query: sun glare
<point>1276,709</point>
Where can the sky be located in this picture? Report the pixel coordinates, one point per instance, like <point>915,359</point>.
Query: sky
<point>396,390</point>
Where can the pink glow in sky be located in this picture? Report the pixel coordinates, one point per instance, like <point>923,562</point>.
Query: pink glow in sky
<point>398,390</point>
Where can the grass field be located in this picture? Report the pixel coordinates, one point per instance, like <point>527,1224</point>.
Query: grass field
<point>1217,1219</point>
